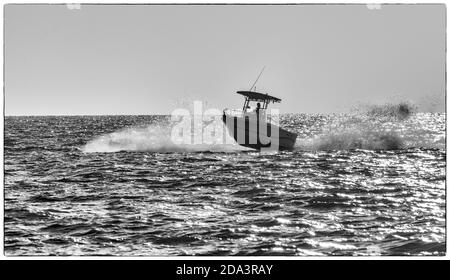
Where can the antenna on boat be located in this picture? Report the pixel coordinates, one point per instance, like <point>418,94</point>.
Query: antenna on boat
<point>254,84</point>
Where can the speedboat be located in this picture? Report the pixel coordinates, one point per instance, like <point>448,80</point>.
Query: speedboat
<point>256,129</point>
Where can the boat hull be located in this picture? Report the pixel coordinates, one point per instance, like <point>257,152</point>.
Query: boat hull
<point>248,132</point>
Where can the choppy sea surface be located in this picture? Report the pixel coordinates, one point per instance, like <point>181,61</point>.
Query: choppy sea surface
<point>356,184</point>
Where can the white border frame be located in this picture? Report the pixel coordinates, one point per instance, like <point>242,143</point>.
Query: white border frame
<point>198,258</point>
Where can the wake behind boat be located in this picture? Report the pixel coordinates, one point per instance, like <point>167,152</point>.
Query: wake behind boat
<point>253,129</point>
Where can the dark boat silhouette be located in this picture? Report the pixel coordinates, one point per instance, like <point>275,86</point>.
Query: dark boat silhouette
<point>253,129</point>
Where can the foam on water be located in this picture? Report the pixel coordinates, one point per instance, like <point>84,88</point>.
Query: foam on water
<point>394,111</point>
<point>374,127</point>
<point>352,139</point>
<point>369,127</point>
<point>132,139</point>
<point>153,138</point>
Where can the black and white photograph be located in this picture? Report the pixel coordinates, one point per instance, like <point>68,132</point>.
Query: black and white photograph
<point>224,130</point>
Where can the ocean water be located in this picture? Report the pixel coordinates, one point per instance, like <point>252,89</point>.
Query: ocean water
<point>362,183</point>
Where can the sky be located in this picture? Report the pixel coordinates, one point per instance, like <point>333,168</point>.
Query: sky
<point>152,59</point>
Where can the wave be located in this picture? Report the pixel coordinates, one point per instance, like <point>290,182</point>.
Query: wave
<point>399,111</point>
<point>151,139</point>
<point>378,127</point>
<point>390,126</point>
<point>348,140</point>
<point>371,127</point>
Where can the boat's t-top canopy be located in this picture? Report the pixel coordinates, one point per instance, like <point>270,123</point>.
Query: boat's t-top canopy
<point>257,97</point>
